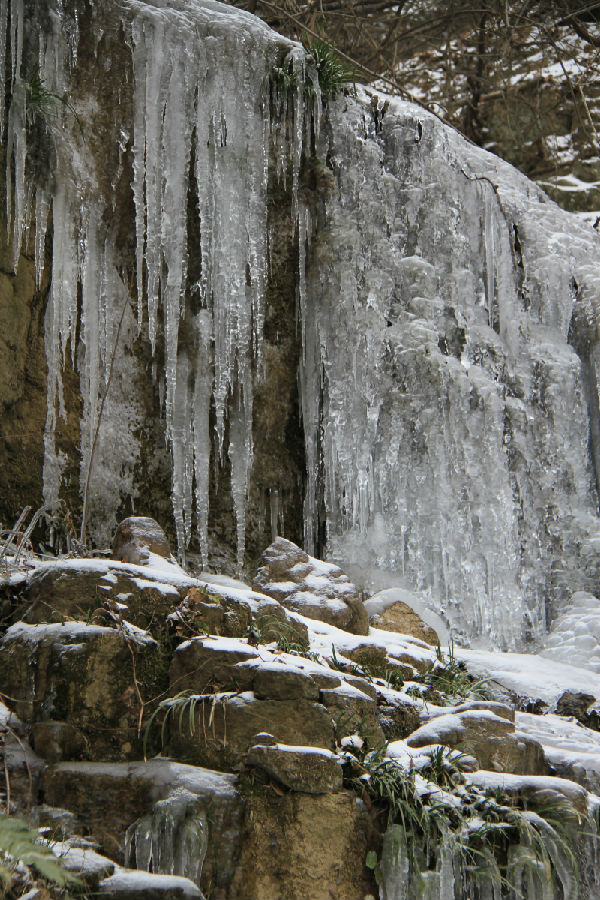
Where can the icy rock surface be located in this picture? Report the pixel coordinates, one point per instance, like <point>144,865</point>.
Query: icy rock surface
<point>447,310</point>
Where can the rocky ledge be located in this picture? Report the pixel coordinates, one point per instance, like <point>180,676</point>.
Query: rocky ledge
<point>176,736</point>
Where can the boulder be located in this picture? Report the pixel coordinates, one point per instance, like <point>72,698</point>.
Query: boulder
<point>138,536</point>
<point>485,735</point>
<point>309,770</point>
<point>316,589</point>
<point>576,704</point>
<point>76,589</point>
<point>400,617</point>
<point>81,676</point>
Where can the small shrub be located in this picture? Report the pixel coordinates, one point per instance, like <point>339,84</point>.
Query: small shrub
<point>333,71</point>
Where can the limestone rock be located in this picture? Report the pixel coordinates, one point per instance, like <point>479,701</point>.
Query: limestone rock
<point>55,741</point>
<point>353,711</point>
<point>371,658</point>
<point>312,771</point>
<point>398,720</point>
<point>577,704</point>
<point>224,728</point>
<point>316,589</point>
<point>302,846</point>
<point>207,663</point>
<point>485,735</point>
<point>206,608</point>
<point>66,589</point>
<point>82,675</point>
<point>138,536</point>
<point>111,797</point>
<point>277,682</point>
<point>535,792</point>
<point>83,862</point>
<point>400,617</point>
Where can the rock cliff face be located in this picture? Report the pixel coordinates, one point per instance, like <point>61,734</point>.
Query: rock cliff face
<point>265,312</point>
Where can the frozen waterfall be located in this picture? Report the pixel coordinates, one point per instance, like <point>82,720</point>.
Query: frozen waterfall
<point>445,388</point>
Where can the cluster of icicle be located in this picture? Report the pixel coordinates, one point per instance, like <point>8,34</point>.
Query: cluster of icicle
<point>562,862</point>
<point>171,840</point>
<point>211,100</point>
<point>203,116</point>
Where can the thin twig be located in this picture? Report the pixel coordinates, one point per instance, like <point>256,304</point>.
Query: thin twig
<point>14,532</point>
<point>28,531</point>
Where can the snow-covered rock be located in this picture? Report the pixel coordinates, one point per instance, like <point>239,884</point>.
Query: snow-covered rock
<point>316,589</point>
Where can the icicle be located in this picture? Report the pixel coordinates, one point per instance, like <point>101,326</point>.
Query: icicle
<point>171,840</point>
<point>3,36</point>
<point>16,38</point>
<point>201,427</point>
<point>41,225</point>
<point>274,511</point>
<point>139,167</point>
<point>240,454</point>
<point>90,337</point>
<point>394,865</point>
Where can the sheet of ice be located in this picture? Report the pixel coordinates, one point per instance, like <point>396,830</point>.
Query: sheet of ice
<point>444,406</point>
<point>439,380</point>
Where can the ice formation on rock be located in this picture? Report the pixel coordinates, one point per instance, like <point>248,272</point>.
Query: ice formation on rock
<point>448,363</point>
<point>453,411</point>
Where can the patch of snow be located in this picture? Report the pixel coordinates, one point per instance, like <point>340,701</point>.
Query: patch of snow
<point>134,881</point>
<point>165,775</point>
<point>435,731</point>
<point>565,740</point>
<point>81,859</point>
<point>143,583</point>
<point>528,675</point>
<point>59,631</point>
<point>505,780</point>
